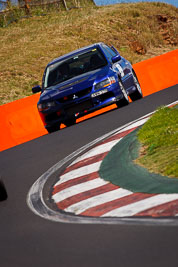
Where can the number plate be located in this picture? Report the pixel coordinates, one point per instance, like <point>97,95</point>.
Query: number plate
<point>99,93</point>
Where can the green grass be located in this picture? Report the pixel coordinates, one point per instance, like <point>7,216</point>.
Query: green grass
<point>159,140</point>
<point>29,43</point>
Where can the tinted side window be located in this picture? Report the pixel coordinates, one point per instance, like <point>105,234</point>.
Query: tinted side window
<point>107,52</point>
<point>113,53</point>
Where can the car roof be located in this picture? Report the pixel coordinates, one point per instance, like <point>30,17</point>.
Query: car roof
<point>85,48</point>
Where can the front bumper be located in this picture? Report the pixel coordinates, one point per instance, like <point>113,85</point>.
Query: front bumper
<point>81,107</point>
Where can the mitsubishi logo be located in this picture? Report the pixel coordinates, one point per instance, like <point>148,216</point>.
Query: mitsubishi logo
<point>75,96</point>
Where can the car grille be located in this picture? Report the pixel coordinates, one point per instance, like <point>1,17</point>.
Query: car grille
<point>106,96</point>
<point>75,96</point>
<point>79,107</point>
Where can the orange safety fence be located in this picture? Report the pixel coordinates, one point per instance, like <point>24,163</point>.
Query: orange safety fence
<point>20,121</point>
<point>158,73</point>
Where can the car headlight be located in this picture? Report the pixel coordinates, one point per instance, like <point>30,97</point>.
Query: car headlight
<point>105,83</point>
<point>45,106</point>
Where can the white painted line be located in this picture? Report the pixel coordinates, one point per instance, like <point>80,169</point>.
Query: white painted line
<point>83,205</point>
<point>134,208</point>
<point>136,124</point>
<point>97,150</point>
<point>77,189</point>
<point>108,146</point>
<point>85,170</point>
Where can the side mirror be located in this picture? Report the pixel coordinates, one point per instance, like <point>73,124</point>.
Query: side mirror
<point>36,89</point>
<point>116,58</point>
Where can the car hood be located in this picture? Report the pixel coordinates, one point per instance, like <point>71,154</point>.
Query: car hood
<point>75,85</point>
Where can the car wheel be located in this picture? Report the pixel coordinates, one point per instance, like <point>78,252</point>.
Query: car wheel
<point>125,100</point>
<point>53,128</point>
<point>70,122</point>
<point>138,93</point>
<point>3,193</point>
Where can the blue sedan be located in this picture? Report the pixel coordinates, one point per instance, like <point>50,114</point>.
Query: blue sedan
<point>83,81</point>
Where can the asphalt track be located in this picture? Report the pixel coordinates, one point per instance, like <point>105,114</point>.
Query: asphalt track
<point>28,240</point>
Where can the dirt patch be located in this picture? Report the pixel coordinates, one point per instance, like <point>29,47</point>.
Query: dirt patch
<point>167,29</point>
<point>138,48</point>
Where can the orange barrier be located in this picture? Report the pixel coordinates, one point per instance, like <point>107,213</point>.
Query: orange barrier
<point>20,121</point>
<point>158,73</point>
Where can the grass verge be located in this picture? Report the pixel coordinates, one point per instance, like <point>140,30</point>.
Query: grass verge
<point>139,31</point>
<point>159,142</point>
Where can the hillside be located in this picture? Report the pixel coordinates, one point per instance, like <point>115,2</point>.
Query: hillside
<point>139,31</point>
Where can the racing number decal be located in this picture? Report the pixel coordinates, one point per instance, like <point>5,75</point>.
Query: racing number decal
<point>118,67</point>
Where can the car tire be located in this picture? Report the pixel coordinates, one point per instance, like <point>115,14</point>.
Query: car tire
<point>3,192</point>
<point>53,128</point>
<point>138,93</point>
<point>125,100</point>
<point>70,122</point>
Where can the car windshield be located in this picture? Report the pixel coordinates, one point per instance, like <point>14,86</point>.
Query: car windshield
<point>66,69</point>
